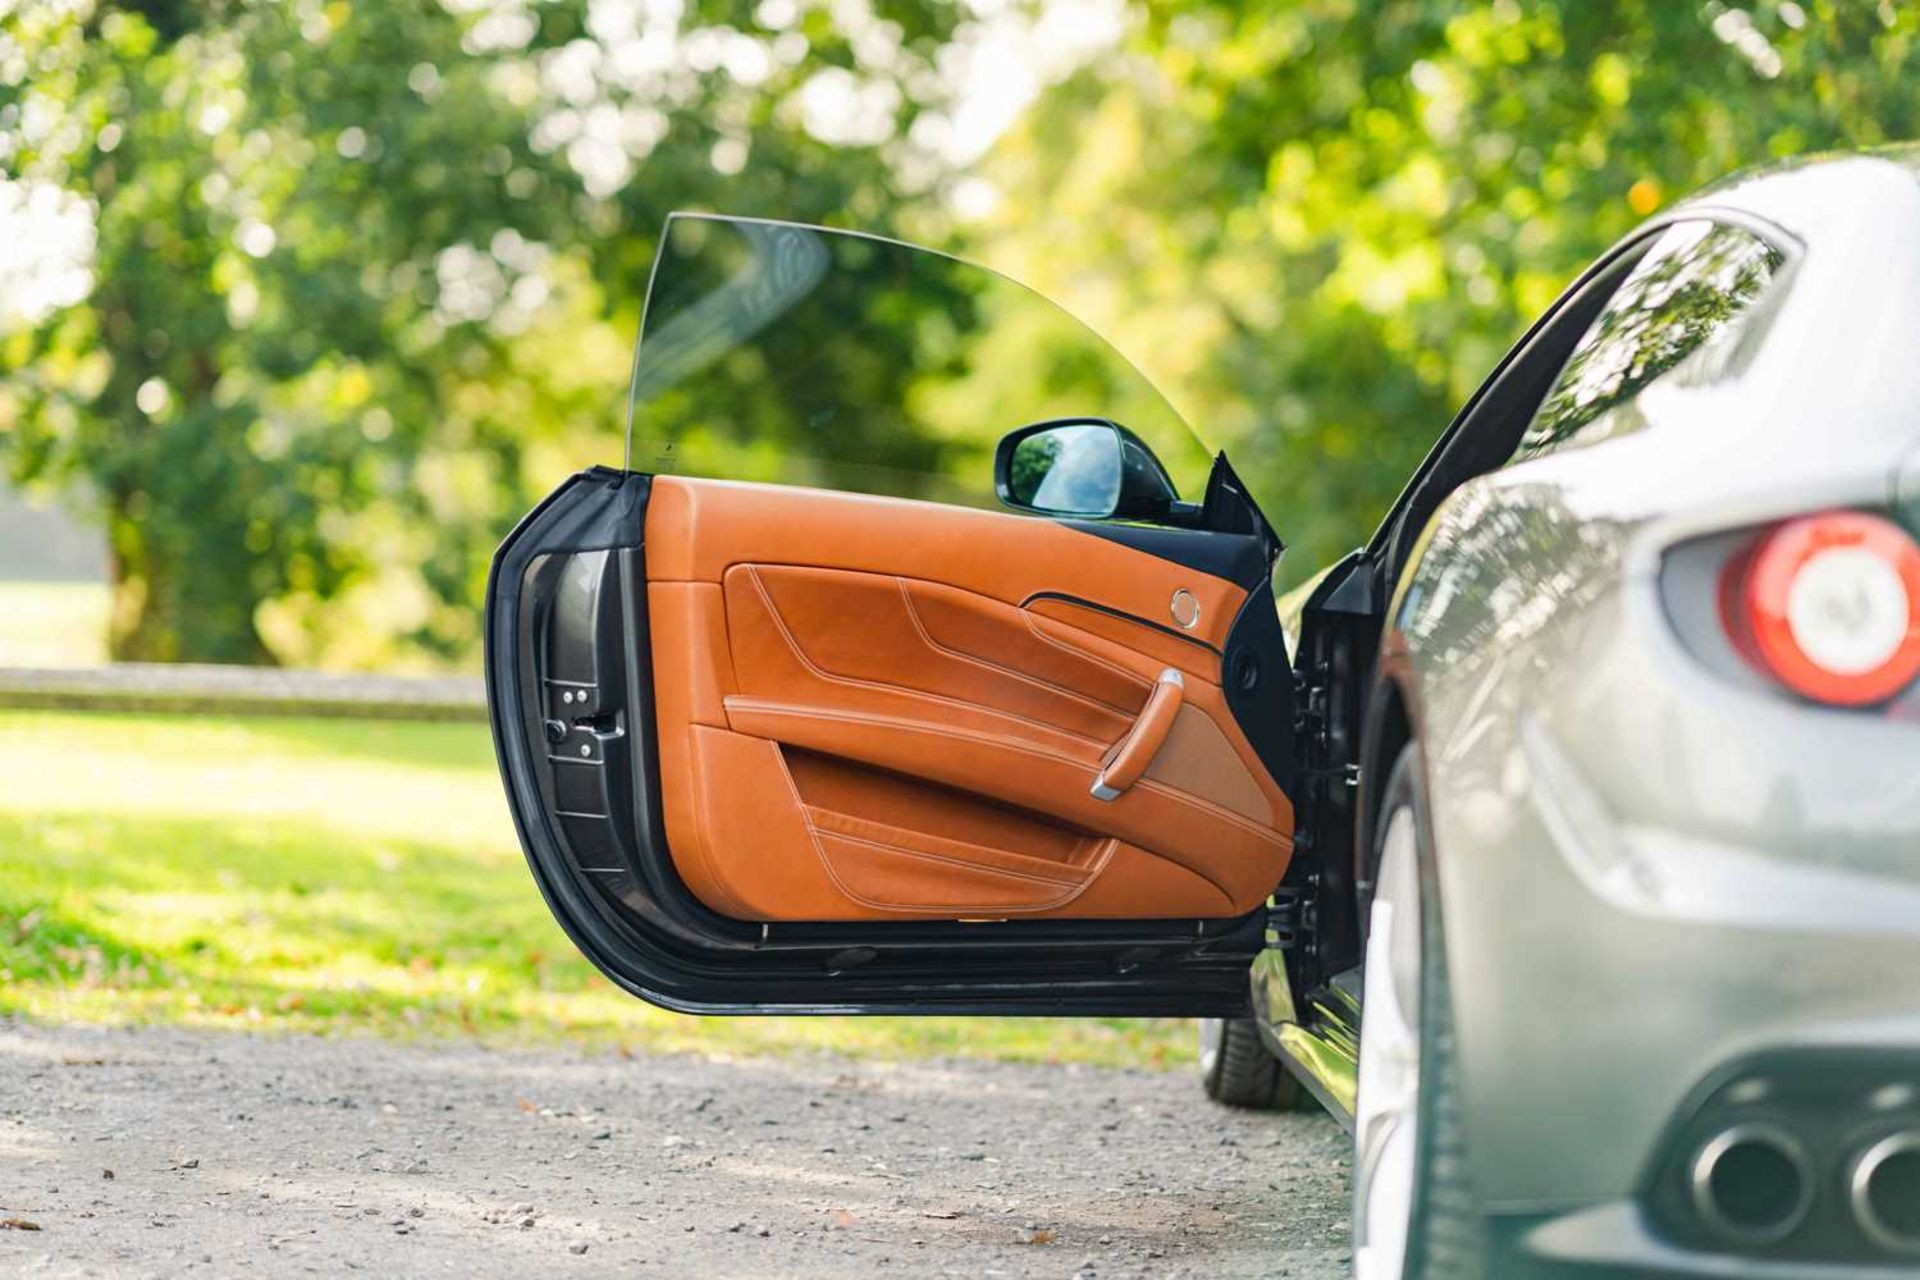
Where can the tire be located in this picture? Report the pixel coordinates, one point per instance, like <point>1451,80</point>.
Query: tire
<point>1427,1201</point>
<point>1237,1070</point>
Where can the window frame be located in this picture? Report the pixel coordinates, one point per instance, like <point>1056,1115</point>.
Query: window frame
<point>1734,325</point>
<point>1484,435</point>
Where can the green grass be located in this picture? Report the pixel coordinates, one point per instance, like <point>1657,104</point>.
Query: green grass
<point>334,875</point>
<point>53,624</point>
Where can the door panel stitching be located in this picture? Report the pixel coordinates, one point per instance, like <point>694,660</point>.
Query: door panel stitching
<point>962,864</point>
<point>826,864</point>
<point>793,645</point>
<point>1085,700</point>
<point>1075,651</point>
<point>951,859</point>
<point>1176,795</point>
<point>700,826</point>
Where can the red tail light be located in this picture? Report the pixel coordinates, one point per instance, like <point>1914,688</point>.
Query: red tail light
<point>1828,605</point>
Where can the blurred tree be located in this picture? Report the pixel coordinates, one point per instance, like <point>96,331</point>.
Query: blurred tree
<point>364,278</point>
<point>1319,222</point>
<point>361,281</point>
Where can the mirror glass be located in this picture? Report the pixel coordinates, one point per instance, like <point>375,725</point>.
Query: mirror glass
<point>1072,469</point>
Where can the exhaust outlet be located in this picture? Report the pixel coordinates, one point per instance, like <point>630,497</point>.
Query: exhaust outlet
<point>1884,1192</point>
<point>1752,1184</point>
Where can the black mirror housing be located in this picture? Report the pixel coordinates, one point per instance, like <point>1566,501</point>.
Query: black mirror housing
<point>1083,468</point>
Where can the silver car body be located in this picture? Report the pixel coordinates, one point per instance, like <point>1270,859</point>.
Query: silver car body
<point>1650,865</point>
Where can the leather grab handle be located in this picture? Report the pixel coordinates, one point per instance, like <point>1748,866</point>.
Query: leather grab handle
<point>1135,752</point>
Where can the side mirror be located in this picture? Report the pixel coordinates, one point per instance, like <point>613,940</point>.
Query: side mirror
<point>1088,468</point>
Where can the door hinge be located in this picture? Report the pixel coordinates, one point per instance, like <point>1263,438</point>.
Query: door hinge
<point>1292,914</point>
<point>1347,774</point>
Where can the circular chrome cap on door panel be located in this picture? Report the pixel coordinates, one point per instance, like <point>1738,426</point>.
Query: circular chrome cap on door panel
<point>1185,609</point>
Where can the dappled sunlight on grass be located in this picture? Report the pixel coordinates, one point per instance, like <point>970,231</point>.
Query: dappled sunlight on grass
<point>346,876</point>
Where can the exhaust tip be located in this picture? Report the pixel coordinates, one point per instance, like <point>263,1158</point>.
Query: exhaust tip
<point>1884,1192</point>
<point>1752,1184</point>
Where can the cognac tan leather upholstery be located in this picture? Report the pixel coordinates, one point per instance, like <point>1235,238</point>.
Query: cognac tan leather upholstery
<point>879,709</point>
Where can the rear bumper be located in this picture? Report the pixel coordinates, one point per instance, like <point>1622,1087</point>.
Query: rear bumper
<point>1649,877</point>
<point>1614,1241</point>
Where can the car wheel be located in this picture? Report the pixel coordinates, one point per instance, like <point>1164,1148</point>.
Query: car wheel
<point>1412,1207</point>
<point>1236,1068</point>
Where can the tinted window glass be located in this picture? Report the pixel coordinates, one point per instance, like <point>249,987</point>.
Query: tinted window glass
<point>1678,316</point>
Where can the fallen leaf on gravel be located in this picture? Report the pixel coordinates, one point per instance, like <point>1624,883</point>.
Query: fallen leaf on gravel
<point>842,1219</point>
<point>938,1213</point>
<point>18,1224</point>
<point>1039,1237</point>
<point>82,1062</point>
<point>107,1174</point>
<point>524,1105</point>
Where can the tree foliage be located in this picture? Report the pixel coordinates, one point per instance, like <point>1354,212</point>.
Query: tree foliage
<point>364,278</point>
<point>1319,223</point>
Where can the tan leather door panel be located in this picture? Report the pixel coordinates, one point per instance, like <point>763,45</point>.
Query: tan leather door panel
<point>872,708</point>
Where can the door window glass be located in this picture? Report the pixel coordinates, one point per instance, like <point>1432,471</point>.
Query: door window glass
<point>797,355</point>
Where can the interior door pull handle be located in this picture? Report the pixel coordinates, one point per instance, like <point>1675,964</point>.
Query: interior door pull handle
<point>1130,757</point>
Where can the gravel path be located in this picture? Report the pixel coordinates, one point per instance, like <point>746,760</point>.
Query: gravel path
<point>160,1152</point>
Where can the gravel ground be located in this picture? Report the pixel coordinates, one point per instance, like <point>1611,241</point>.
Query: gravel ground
<point>163,1152</point>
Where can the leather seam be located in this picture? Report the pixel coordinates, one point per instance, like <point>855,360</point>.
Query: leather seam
<point>1177,795</point>
<point>813,836</point>
<point>793,646</point>
<point>1038,622</point>
<point>1075,651</point>
<point>917,726</point>
<point>735,906</point>
<point>955,859</point>
<point>827,833</point>
<point>1052,904</point>
<point>913,614</point>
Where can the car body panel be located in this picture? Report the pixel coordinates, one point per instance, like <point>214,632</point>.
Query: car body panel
<point>1646,867</point>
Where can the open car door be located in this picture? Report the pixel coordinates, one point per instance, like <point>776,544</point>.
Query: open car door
<point>955,715</point>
